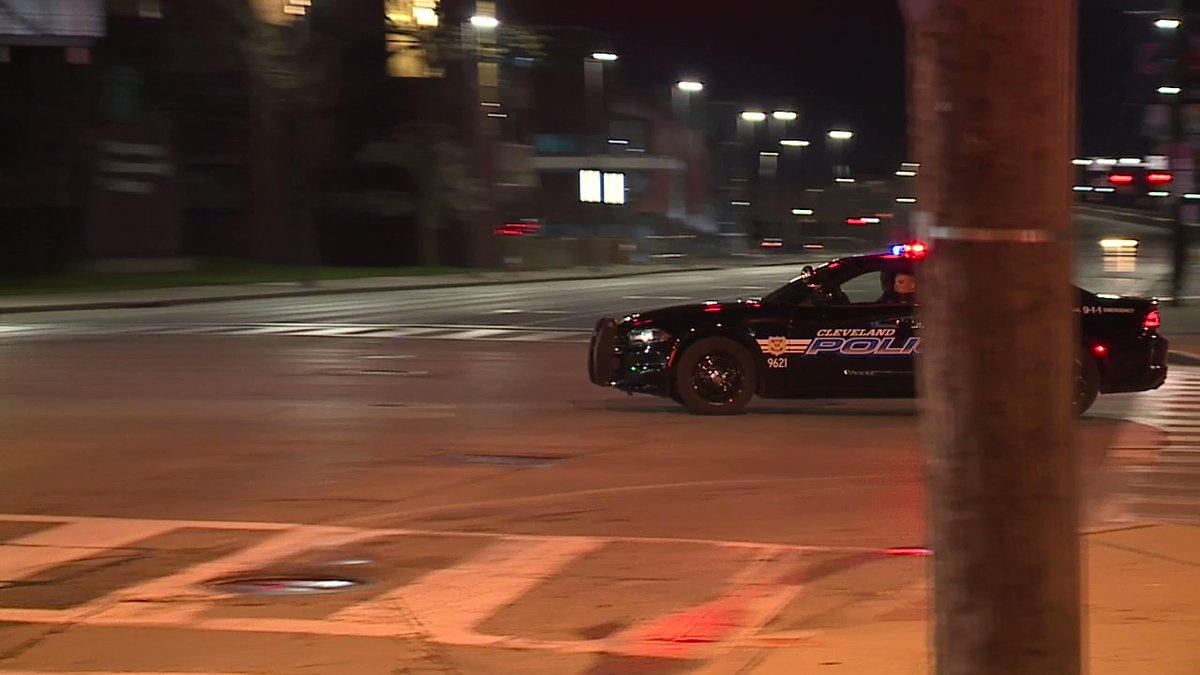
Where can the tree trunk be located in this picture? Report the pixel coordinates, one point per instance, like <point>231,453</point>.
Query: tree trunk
<point>992,95</point>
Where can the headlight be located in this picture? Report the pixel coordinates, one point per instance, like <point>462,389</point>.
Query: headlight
<point>647,336</point>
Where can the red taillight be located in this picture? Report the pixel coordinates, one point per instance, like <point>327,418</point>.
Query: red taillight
<point>1099,350</point>
<point>1152,320</point>
<point>1120,179</point>
<point>1158,178</point>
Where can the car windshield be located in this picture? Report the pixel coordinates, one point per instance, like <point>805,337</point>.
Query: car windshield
<point>799,287</point>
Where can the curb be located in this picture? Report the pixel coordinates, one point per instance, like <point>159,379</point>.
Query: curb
<point>317,291</point>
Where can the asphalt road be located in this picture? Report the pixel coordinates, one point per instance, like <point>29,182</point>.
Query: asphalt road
<point>475,503</point>
<point>484,494</point>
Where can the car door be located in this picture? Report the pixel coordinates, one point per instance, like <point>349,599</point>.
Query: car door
<point>858,345</point>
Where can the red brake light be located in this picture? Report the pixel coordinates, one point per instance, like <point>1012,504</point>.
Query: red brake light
<point>1159,178</point>
<point>1152,320</point>
<point>1099,350</point>
<point>1120,179</point>
<point>855,221</point>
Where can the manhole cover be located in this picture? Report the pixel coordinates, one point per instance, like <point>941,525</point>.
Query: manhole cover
<point>283,585</point>
<point>529,461</point>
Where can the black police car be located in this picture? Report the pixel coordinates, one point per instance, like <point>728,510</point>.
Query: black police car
<point>839,331</point>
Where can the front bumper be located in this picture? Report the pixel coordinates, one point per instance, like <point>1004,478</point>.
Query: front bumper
<point>614,362</point>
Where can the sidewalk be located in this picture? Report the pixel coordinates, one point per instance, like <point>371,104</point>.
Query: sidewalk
<point>185,295</point>
<point>1142,603</point>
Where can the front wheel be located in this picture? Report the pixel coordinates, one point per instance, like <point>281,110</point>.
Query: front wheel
<point>1087,383</point>
<point>715,376</point>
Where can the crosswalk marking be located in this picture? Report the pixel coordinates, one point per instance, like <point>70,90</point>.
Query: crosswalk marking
<point>180,597</point>
<point>446,605</point>
<point>33,553</point>
<point>502,333</point>
<point>450,602</point>
<point>1169,488</point>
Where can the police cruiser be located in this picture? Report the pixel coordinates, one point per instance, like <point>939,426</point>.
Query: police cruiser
<point>846,329</point>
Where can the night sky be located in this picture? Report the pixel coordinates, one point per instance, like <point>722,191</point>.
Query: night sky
<point>841,63</point>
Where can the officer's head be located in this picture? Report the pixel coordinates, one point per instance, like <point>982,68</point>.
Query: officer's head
<point>905,283</point>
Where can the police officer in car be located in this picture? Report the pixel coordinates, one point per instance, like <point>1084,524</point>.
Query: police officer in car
<point>902,290</point>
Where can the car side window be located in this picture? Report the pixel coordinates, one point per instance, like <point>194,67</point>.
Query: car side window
<point>863,289</point>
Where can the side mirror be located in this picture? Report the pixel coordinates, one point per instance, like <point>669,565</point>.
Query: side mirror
<point>807,270</point>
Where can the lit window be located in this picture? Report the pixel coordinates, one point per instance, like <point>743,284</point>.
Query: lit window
<point>150,9</point>
<point>589,186</point>
<point>412,13</point>
<point>614,188</point>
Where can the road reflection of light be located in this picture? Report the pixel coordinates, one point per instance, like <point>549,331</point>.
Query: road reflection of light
<point>1119,255</point>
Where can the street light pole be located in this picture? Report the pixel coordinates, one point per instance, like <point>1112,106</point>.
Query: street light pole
<point>838,138</point>
<point>1182,157</point>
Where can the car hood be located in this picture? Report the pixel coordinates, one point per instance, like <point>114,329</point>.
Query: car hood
<point>696,313</point>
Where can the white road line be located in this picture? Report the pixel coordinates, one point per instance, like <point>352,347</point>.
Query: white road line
<point>545,336</point>
<point>33,553</point>
<point>754,596</point>
<point>477,334</point>
<point>448,603</point>
<point>178,598</point>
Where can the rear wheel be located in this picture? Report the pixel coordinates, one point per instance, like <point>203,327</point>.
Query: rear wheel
<point>715,376</point>
<point>1087,383</point>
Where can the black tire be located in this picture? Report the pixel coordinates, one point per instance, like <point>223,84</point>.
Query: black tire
<point>716,376</point>
<point>1086,383</point>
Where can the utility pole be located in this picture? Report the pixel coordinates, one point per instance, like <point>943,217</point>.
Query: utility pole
<point>1182,157</point>
<point>992,94</point>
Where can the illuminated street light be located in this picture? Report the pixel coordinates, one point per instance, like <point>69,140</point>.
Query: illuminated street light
<point>793,143</point>
<point>1169,91</point>
<point>840,135</point>
<point>906,200</point>
<point>1167,24</point>
<point>1129,161</point>
<point>1081,162</point>
<point>784,115</point>
<point>843,180</point>
<point>605,56</point>
<point>904,173</point>
<point>484,22</point>
<point>690,85</point>
<point>802,212</point>
<point>754,116</point>
<point>1106,161</point>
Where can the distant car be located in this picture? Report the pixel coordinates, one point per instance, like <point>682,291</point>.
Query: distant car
<point>839,331</point>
